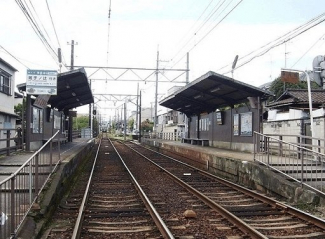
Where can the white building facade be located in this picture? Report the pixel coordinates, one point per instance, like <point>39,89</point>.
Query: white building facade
<point>7,102</point>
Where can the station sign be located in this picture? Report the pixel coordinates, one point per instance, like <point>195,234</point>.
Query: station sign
<point>41,82</point>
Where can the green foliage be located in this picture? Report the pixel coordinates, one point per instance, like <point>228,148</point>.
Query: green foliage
<point>146,125</point>
<point>80,122</point>
<point>131,124</point>
<point>277,87</point>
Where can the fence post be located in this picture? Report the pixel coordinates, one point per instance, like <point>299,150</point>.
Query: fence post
<point>12,211</point>
<point>51,153</point>
<point>8,142</point>
<point>280,146</point>
<point>299,144</point>
<point>36,174</point>
<point>267,143</point>
<point>302,169</point>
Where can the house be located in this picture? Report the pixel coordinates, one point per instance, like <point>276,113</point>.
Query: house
<point>290,114</point>
<point>7,102</point>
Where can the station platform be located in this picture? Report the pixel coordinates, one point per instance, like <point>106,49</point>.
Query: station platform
<point>225,153</point>
<point>9,164</point>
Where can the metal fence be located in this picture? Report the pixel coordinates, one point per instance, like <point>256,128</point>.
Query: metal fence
<point>10,140</point>
<point>297,160</point>
<point>19,191</point>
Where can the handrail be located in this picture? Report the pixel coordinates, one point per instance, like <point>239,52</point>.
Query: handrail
<point>296,161</point>
<point>22,188</point>
<point>30,158</point>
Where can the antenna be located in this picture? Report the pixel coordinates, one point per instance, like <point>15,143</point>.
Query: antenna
<point>234,66</point>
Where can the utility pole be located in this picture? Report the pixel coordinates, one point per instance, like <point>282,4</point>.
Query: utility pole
<point>137,112</point>
<point>187,67</point>
<point>156,96</point>
<point>72,53</point>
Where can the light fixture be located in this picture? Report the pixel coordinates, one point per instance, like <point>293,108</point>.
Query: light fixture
<point>73,94</point>
<point>215,89</point>
<point>77,99</point>
<point>187,106</point>
<point>67,86</point>
<point>179,108</point>
<point>197,96</point>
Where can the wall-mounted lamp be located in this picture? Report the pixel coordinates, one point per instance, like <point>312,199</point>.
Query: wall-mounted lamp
<point>215,89</point>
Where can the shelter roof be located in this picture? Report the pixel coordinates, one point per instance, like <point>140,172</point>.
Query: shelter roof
<point>73,90</point>
<point>299,96</point>
<point>210,92</point>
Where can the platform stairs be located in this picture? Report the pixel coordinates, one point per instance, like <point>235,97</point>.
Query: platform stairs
<point>299,158</point>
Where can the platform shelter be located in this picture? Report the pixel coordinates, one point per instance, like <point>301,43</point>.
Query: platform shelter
<point>221,111</point>
<point>73,90</point>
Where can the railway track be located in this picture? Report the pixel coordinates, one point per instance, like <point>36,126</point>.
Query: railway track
<point>128,196</point>
<point>270,218</point>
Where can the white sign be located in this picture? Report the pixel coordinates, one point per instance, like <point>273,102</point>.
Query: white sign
<point>41,82</point>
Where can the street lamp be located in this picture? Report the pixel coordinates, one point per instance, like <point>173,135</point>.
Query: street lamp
<point>309,98</point>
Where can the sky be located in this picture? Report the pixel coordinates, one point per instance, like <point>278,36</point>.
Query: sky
<point>140,28</point>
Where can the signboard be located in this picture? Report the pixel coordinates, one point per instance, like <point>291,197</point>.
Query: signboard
<point>290,77</point>
<point>41,82</point>
<point>246,124</point>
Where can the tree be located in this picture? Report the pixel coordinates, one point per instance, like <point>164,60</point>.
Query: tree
<point>277,87</point>
<point>146,125</point>
<point>131,124</point>
<point>80,122</point>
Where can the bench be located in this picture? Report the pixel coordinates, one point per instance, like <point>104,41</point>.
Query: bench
<point>203,142</point>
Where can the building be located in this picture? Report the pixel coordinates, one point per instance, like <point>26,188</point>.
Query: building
<point>221,111</point>
<point>7,102</point>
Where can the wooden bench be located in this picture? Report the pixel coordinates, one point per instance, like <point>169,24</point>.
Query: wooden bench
<point>203,142</point>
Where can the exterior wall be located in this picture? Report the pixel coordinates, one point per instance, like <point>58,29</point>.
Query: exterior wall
<point>222,132</point>
<point>7,103</point>
<point>50,122</point>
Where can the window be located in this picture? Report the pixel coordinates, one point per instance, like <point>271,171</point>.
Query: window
<point>37,120</point>
<point>5,82</point>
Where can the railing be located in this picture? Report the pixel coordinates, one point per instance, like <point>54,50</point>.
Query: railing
<point>11,141</point>
<point>299,161</point>
<point>168,136</point>
<point>22,188</point>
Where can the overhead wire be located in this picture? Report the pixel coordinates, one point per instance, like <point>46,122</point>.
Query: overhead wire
<point>209,31</point>
<point>314,44</point>
<point>37,30</point>
<point>108,29</point>
<point>13,57</point>
<point>279,41</point>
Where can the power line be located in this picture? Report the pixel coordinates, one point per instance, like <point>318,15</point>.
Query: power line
<point>37,30</point>
<point>307,51</point>
<point>109,27</point>
<point>13,57</point>
<point>209,32</point>
<point>279,41</point>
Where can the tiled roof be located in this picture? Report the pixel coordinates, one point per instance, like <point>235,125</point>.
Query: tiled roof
<point>299,96</point>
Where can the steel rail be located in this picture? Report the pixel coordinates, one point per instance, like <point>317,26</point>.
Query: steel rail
<point>154,214</point>
<point>77,227</point>
<point>243,226</point>
<point>275,204</point>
